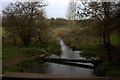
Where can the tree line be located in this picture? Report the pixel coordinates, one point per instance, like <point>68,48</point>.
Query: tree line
<point>26,20</point>
<point>104,15</point>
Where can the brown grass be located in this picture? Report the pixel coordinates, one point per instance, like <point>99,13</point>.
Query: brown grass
<point>73,34</point>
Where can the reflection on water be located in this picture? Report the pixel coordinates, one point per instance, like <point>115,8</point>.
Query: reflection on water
<point>67,70</point>
<point>53,68</point>
<point>67,52</point>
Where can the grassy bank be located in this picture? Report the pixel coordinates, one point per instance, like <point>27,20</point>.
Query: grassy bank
<point>26,66</point>
<point>13,55</point>
<point>81,39</point>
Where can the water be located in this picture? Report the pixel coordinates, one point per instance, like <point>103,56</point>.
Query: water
<point>67,52</point>
<point>53,68</point>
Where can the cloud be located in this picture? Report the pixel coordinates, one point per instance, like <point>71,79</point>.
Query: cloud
<point>56,8</point>
<point>60,2</point>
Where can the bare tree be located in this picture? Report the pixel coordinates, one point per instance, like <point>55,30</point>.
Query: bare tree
<point>102,11</point>
<point>71,12</point>
<point>25,19</point>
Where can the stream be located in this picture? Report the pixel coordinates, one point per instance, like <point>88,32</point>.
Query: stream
<point>60,69</point>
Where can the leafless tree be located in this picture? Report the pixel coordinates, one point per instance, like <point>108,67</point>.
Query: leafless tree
<point>71,12</point>
<point>26,20</point>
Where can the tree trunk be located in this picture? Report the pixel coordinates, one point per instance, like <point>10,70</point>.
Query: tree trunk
<point>3,41</point>
<point>107,42</point>
<point>104,38</point>
<point>109,47</point>
<point>26,41</point>
<point>14,40</point>
<point>119,36</point>
<point>106,32</point>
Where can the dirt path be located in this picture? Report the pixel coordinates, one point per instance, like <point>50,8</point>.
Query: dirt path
<point>16,60</point>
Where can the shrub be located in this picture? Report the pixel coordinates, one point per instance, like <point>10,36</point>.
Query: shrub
<point>113,73</point>
<point>105,67</point>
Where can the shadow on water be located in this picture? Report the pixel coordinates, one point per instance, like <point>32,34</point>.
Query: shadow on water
<point>55,68</point>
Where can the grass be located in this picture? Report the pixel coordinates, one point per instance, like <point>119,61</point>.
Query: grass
<point>11,69</point>
<point>10,51</point>
<point>54,46</point>
<point>24,66</point>
<point>76,38</point>
<point>13,51</point>
<point>114,40</point>
<point>80,39</point>
<point>88,49</point>
<point>113,73</point>
<point>110,69</point>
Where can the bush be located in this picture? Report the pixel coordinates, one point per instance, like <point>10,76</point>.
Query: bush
<point>35,51</point>
<point>105,67</point>
<point>94,51</point>
<point>39,59</point>
<point>113,73</point>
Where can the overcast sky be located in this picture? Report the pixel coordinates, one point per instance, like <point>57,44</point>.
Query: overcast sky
<point>55,8</point>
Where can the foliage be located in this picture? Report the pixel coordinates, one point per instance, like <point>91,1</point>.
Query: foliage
<point>12,51</point>
<point>24,66</point>
<point>34,51</point>
<point>26,20</point>
<point>105,67</point>
<point>113,73</point>
<point>54,47</point>
<point>114,40</point>
<point>39,59</point>
<point>104,13</point>
<point>96,52</point>
<point>12,69</point>
<point>4,32</point>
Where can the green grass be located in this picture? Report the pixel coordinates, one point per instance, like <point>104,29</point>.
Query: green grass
<point>93,50</point>
<point>114,40</point>
<point>113,73</point>
<point>88,49</point>
<point>12,69</point>
<point>54,47</point>
<point>12,51</point>
<point>108,69</point>
<point>22,67</point>
<point>9,50</point>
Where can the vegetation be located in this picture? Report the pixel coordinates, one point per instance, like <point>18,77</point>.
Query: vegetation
<point>108,69</point>
<point>24,66</point>
<point>96,38</point>
<point>91,27</point>
<point>26,20</point>
<point>26,35</point>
